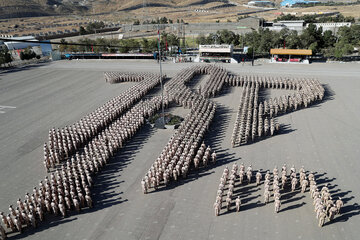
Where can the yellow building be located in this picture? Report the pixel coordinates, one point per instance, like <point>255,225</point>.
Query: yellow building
<point>290,55</point>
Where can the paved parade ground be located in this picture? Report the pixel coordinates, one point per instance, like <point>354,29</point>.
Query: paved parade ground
<point>324,138</point>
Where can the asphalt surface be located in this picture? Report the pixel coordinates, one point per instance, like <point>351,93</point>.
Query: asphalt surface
<point>324,138</point>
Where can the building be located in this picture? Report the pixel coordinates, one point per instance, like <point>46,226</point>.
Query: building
<point>297,25</point>
<point>15,45</point>
<point>294,3</point>
<point>40,48</point>
<point>215,53</point>
<point>290,55</point>
<point>333,26</point>
<point>261,3</point>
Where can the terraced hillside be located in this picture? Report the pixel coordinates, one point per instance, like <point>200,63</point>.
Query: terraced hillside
<point>33,8</point>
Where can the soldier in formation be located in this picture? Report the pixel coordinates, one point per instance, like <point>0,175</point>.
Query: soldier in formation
<point>324,206</point>
<point>64,142</point>
<point>256,119</point>
<point>67,189</point>
<point>185,148</point>
<point>2,233</point>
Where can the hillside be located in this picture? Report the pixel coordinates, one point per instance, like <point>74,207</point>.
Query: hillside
<point>34,8</point>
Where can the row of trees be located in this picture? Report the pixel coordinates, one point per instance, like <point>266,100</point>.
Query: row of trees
<point>91,28</point>
<point>316,18</point>
<point>326,43</point>
<point>26,54</point>
<point>144,45</point>
<point>320,42</point>
<point>329,3</point>
<point>162,20</point>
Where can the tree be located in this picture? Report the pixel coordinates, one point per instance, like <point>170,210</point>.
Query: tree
<point>137,22</point>
<point>27,54</point>
<point>172,40</point>
<point>342,49</point>
<point>72,48</point>
<point>253,39</point>
<point>22,56</point>
<point>92,27</point>
<point>103,42</point>
<point>82,30</point>
<point>163,20</point>
<point>350,34</point>
<point>312,36</point>
<point>286,17</point>
<point>63,46</point>
<point>212,38</point>
<point>201,39</point>
<point>266,41</point>
<point>227,37</point>
<point>5,56</point>
<point>292,40</point>
<point>329,39</point>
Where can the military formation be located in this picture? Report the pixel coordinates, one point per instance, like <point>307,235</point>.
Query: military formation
<point>66,141</point>
<point>238,175</point>
<point>118,77</point>
<point>218,77</point>
<point>254,119</point>
<point>275,185</point>
<point>76,153</point>
<point>325,206</point>
<point>185,148</point>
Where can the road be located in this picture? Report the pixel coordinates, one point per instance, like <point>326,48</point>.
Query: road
<point>323,138</point>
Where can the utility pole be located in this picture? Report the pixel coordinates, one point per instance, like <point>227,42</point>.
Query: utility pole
<point>161,83</point>
<point>253,56</point>
<point>144,11</point>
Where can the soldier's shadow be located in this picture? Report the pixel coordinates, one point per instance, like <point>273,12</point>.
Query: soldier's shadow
<point>107,182</point>
<point>346,213</point>
<point>195,174</point>
<point>51,221</point>
<point>291,207</point>
<point>348,210</point>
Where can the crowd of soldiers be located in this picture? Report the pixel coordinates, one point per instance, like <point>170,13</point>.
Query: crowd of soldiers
<point>68,188</point>
<point>81,150</point>
<point>66,141</point>
<point>230,178</point>
<point>323,202</point>
<point>217,79</point>
<point>117,77</point>
<point>256,119</point>
<point>185,148</point>
<point>324,205</point>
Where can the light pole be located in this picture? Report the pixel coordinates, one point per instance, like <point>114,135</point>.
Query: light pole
<point>161,83</point>
<point>253,51</point>
<point>253,56</point>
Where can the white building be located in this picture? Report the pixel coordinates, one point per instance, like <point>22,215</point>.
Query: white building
<point>333,26</point>
<point>261,3</point>
<point>39,48</point>
<point>14,45</point>
<point>215,53</point>
<point>297,25</point>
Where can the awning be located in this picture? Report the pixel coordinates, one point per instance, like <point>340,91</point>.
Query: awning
<point>281,51</point>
